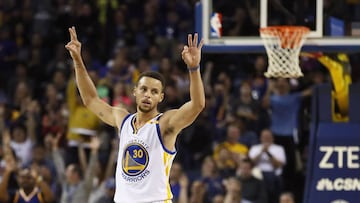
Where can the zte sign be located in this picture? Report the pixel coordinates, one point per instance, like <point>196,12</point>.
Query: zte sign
<point>333,174</point>
<point>345,157</point>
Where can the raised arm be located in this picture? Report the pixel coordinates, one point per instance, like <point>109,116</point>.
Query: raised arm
<point>43,185</point>
<point>57,158</point>
<point>10,167</point>
<point>90,171</point>
<point>110,166</point>
<point>188,112</point>
<point>110,115</point>
<point>269,91</point>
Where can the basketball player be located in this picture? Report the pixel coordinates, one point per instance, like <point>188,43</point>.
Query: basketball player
<point>147,137</point>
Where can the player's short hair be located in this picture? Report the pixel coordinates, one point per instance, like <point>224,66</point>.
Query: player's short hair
<point>153,74</point>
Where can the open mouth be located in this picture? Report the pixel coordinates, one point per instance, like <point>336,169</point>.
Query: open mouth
<point>146,103</point>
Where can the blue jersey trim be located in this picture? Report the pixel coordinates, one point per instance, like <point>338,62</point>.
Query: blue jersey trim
<point>132,124</point>
<point>122,124</point>
<point>161,141</point>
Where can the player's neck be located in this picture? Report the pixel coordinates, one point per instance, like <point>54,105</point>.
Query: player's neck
<point>142,117</point>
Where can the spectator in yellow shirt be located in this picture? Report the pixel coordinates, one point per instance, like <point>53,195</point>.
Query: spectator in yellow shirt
<point>83,124</point>
<point>237,150</point>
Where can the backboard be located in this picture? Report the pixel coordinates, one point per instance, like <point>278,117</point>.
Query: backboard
<point>334,24</point>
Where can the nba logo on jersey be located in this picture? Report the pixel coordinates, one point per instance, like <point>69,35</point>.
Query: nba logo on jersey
<point>216,25</point>
<point>135,162</point>
<point>136,159</point>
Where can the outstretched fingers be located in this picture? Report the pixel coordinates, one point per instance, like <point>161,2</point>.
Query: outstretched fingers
<point>201,44</point>
<point>190,40</point>
<point>184,51</point>
<point>195,41</point>
<point>73,35</point>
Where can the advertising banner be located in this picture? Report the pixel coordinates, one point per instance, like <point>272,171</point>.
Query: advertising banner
<point>334,174</point>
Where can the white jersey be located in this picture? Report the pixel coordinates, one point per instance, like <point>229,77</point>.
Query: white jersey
<point>142,172</point>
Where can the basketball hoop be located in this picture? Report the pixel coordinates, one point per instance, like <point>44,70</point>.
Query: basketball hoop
<point>283,44</point>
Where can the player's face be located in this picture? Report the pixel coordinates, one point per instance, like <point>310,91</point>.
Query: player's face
<point>148,94</point>
<point>26,179</point>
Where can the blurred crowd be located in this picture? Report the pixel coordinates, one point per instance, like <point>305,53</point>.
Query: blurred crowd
<point>248,145</point>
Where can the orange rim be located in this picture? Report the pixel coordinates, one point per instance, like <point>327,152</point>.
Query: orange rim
<point>284,28</point>
<point>290,36</point>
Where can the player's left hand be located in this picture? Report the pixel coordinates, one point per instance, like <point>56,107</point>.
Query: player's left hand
<point>74,46</point>
<point>191,53</point>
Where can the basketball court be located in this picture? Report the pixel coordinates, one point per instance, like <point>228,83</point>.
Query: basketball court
<point>284,30</point>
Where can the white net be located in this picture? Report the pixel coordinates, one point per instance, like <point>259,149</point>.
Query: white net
<point>283,45</point>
